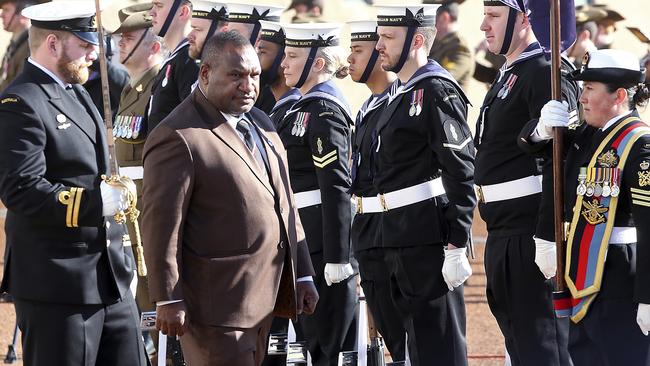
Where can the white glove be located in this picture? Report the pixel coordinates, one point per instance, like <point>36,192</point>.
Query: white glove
<point>337,272</point>
<point>553,114</point>
<point>456,268</point>
<point>643,318</point>
<point>545,257</point>
<point>114,199</point>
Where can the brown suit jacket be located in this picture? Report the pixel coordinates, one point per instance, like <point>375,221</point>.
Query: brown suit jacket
<point>217,231</point>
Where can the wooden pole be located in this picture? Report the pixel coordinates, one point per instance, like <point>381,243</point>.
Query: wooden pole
<point>558,172</point>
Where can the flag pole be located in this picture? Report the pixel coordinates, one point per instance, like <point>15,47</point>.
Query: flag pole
<point>558,173</point>
<point>113,178</point>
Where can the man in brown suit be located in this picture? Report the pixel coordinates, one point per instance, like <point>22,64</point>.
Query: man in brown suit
<point>223,241</point>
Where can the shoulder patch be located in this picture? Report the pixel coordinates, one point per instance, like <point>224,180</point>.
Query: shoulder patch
<point>454,135</point>
<point>13,99</point>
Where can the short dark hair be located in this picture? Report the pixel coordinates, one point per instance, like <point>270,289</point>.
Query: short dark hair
<point>217,44</point>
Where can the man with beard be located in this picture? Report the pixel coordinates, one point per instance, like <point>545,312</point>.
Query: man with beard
<point>18,49</point>
<point>520,252</point>
<point>171,20</point>
<point>275,95</point>
<point>68,264</point>
<point>423,170</point>
<point>208,18</point>
<point>374,271</point>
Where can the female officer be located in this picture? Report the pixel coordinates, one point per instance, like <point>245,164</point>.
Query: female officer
<point>607,197</point>
<point>316,134</point>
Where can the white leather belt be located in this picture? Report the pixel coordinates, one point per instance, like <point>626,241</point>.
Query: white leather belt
<point>399,198</point>
<point>508,190</point>
<point>133,172</point>
<point>307,198</point>
<point>623,235</point>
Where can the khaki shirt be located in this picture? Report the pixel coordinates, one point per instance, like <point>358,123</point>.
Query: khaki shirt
<point>130,122</point>
<point>13,60</point>
<point>453,53</point>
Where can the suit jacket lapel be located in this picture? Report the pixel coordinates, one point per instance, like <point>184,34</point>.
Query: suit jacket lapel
<point>229,136</point>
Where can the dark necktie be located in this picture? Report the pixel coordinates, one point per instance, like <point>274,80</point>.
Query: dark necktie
<point>244,128</point>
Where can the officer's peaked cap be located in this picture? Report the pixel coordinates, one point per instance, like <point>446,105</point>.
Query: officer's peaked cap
<point>610,66</point>
<point>73,16</point>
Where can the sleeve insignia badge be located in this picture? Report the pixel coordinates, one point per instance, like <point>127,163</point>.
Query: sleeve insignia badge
<point>644,178</point>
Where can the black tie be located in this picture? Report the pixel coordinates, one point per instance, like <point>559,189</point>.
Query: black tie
<point>244,128</point>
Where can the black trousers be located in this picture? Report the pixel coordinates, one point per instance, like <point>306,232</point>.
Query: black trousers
<point>333,326</point>
<point>520,299</point>
<point>433,317</point>
<point>609,334</point>
<point>375,280</point>
<point>80,335</point>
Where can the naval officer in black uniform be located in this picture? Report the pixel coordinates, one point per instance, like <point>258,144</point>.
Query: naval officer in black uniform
<point>520,248</point>
<point>365,68</point>
<point>316,134</point>
<point>423,171</point>
<point>67,264</point>
<point>171,20</point>
<point>607,199</point>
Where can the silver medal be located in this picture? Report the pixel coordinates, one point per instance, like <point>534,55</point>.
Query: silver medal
<point>598,190</point>
<point>590,190</point>
<point>412,110</point>
<point>606,189</point>
<point>418,109</point>
<point>164,82</point>
<point>129,131</point>
<point>615,190</point>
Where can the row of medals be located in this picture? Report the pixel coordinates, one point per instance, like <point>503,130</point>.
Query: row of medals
<point>127,127</point>
<point>606,185</point>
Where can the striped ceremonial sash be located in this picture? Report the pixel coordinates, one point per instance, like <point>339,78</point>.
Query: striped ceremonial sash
<point>587,243</point>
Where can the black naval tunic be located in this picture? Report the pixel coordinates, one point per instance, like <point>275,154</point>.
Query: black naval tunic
<point>66,265</point>
<point>281,325</point>
<point>172,84</point>
<point>609,331</point>
<point>266,100</point>
<point>283,105</point>
<point>423,135</point>
<point>519,296</point>
<point>316,135</point>
<point>373,270</point>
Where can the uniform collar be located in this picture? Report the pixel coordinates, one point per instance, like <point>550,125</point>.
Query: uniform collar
<point>49,73</point>
<point>612,121</point>
<point>325,90</point>
<point>292,95</point>
<point>153,71</point>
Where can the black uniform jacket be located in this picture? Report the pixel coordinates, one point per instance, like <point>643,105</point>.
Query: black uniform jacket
<point>60,249</point>
<point>512,104</point>
<point>316,134</point>
<point>173,84</point>
<point>365,226</point>
<point>633,207</point>
<point>422,135</point>
<point>266,100</point>
<point>283,105</point>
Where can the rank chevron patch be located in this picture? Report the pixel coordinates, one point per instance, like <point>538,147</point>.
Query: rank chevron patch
<point>325,160</point>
